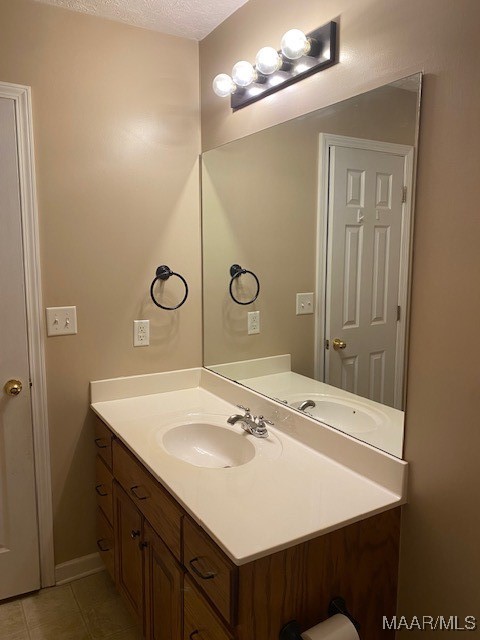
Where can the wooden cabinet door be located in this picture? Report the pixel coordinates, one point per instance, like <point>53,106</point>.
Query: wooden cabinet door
<point>163,590</point>
<point>128,551</point>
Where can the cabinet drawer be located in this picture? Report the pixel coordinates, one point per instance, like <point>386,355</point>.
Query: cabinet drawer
<point>200,623</point>
<point>211,569</point>
<point>103,441</point>
<point>151,499</point>
<point>105,542</point>
<point>104,488</point>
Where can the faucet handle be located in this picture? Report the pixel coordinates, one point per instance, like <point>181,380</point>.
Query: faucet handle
<point>260,427</point>
<point>246,409</point>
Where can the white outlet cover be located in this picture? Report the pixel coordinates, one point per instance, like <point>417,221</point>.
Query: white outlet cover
<point>253,322</point>
<point>304,304</point>
<point>61,321</point>
<point>141,333</point>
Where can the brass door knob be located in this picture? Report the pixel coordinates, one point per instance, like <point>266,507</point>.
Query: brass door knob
<point>13,387</point>
<point>339,344</point>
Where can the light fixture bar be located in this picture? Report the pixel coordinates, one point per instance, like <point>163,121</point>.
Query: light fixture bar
<point>323,54</point>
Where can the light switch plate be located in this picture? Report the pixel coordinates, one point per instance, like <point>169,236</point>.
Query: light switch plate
<point>61,321</point>
<point>304,303</point>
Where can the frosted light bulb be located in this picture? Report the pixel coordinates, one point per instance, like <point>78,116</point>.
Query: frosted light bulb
<point>223,85</point>
<point>243,73</point>
<point>295,44</point>
<point>268,61</point>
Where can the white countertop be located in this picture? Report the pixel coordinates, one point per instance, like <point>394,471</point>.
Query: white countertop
<point>287,494</point>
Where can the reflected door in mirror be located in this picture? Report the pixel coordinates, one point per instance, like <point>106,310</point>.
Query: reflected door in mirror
<point>363,267</point>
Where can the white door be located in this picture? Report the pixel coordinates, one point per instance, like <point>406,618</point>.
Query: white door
<point>19,555</point>
<point>363,267</point>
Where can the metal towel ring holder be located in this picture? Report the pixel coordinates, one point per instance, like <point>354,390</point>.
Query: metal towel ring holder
<point>236,271</point>
<point>163,273</point>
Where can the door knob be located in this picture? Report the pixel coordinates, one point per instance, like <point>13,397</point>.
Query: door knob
<point>339,344</point>
<point>13,387</point>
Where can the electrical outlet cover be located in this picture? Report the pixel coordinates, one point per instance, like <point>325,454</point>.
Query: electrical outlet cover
<point>253,322</point>
<point>141,333</point>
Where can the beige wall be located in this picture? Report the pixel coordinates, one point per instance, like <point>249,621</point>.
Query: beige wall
<point>256,210</point>
<point>259,201</point>
<point>380,41</point>
<point>117,139</point>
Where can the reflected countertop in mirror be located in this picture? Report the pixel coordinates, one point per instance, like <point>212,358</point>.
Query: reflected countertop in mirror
<point>307,234</point>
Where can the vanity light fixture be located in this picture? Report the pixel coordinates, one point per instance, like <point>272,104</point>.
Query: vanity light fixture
<point>295,44</point>
<point>268,61</point>
<point>300,55</point>
<point>223,85</point>
<point>244,74</point>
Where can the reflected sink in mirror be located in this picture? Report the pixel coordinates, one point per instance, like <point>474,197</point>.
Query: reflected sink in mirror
<point>207,445</point>
<point>351,417</point>
<point>362,418</point>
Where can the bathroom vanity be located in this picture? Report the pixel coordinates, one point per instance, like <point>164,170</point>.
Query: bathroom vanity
<point>206,544</point>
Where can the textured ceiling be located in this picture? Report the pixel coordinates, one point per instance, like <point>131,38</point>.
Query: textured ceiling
<point>188,18</point>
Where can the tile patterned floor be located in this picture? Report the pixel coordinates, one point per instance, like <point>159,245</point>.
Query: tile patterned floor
<point>86,609</point>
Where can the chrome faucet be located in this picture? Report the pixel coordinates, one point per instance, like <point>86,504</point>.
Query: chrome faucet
<point>256,425</point>
<point>306,404</point>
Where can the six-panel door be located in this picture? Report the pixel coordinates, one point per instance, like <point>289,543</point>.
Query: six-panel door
<point>365,227</point>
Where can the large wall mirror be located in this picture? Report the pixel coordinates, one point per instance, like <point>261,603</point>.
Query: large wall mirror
<point>307,237</point>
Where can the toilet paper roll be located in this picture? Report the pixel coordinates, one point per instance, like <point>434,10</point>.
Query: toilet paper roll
<point>337,627</point>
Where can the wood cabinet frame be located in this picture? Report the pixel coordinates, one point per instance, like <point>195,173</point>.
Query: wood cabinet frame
<point>249,602</point>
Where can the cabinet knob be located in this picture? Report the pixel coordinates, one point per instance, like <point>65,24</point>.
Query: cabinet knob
<point>143,544</point>
<point>134,533</point>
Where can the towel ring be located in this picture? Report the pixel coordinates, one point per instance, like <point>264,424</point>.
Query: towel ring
<point>163,273</point>
<point>236,271</point>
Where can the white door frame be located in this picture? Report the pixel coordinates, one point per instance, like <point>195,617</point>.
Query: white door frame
<point>21,96</point>
<point>326,141</point>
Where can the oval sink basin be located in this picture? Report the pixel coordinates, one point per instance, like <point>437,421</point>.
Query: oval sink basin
<point>207,445</point>
<point>340,413</point>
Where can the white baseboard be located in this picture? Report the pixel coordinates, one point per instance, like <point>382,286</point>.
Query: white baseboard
<point>78,568</point>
